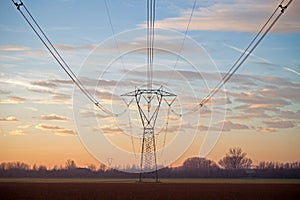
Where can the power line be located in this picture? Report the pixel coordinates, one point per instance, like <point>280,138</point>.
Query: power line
<point>243,57</point>
<point>56,55</point>
<point>150,40</point>
<point>150,49</point>
<point>184,38</point>
<point>113,32</point>
<point>246,54</point>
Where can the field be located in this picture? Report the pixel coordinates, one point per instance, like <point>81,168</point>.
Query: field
<point>166,189</point>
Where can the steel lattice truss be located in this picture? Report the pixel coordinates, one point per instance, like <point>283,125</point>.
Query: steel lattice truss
<point>148,102</point>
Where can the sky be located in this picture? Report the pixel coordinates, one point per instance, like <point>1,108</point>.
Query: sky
<point>45,120</point>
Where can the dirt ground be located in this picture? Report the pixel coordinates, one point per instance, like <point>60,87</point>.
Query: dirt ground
<point>185,191</point>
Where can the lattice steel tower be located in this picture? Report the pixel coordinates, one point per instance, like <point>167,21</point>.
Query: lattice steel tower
<point>148,102</point>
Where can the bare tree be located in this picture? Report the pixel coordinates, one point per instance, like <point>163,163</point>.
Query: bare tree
<point>92,167</point>
<point>102,167</point>
<point>34,167</point>
<point>235,159</point>
<point>70,164</point>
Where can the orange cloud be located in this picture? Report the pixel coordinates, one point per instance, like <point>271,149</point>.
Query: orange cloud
<point>47,127</point>
<point>12,100</point>
<point>54,117</point>
<point>17,132</point>
<point>57,130</point>
<point>265,130</point>
<point>279,123</point>
<point>242,15</point>
<point>65,132</point>
<point>111,130</point>
<point>9,119</point>
<point>24,126</point>
<point>14,48</point>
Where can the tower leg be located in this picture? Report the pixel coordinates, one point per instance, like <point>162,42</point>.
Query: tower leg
<point>148,157</point>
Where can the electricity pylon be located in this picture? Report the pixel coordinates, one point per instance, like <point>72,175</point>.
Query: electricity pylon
<point>148,102</point>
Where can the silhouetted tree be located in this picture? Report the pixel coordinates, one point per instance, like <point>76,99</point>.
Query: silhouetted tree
<point>15,165</point>
<point>42,168</point>
<point>55,168</point>
<point>102,167</point>
<point>199,163</point>
<point>70,164</point>
<point>3,166</point>
<point>235,159</point>
<point>276,165</point>
<point>91,167</point>
<point>34,167</point>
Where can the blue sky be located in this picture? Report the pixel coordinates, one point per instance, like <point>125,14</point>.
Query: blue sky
<point>260,106</point>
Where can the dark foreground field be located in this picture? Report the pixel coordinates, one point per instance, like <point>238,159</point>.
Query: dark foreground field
<point>133,190</point>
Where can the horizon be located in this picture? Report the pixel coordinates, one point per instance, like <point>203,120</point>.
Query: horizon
<point>44,120</point>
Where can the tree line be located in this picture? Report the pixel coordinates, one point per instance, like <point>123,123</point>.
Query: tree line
<point>235,164</point>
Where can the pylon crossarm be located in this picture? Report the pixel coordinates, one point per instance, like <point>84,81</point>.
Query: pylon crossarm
<point>169,104</point>
<point>141,112</point>
<point>155,114</point>
<point>153,98</point>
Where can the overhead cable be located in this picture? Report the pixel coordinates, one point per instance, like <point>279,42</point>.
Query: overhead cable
<point>150,40</point>
<point>114,33</point>
<point>184,38</point>
<point>56,55</point>
<point>252,45</point>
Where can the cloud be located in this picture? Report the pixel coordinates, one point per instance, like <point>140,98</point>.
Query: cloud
<point>47,127</point>
<point>57,130</point>
<point>286,114</point>
<point>176,75</point>
<point>239,15</point>
<point>89,114</point>
<point>56,99</point>
<point>238,79</point>
<point>24,126</point>
<point>65,132</point>
<point>267,101</point>
<point>54,117</point>
<point>218,101</point>
<point>44,84</point>
<point>265,61</point>
<point>14,48</point>
<point>246,112</point>
<point>288,93</point>
<point>13,100</point>
<point>292,70</point>
<point>4,92</point>
<point>17,132</point>
<point>41,91</point>
<point>105,95</point>
<point>280,123</point>
<point>61,97</point>
<point>265,130</point>
<point>67,47</point>
<point>9,119</point>
<point>111,130</point>
<point>62,81</point>
<point>86,81</point>
<point>254,80</point>
<point>264,98</point>
<point>18,82</point>
<point>228,126</point>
